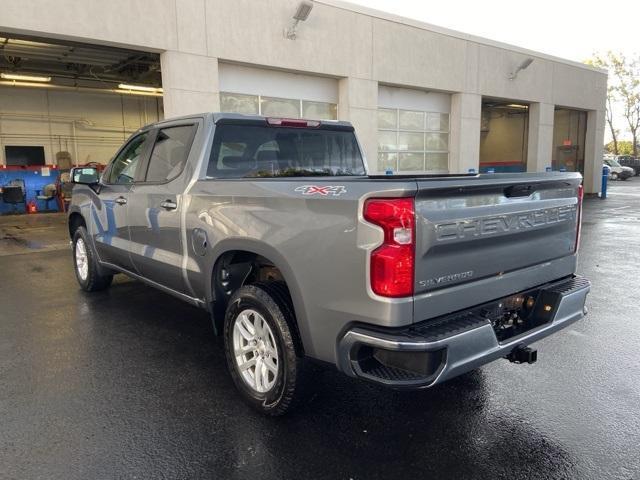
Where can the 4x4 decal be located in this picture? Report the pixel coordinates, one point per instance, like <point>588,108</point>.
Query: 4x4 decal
<point>323,190</point>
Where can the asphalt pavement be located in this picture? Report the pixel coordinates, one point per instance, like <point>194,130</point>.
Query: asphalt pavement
<point>131,383</point>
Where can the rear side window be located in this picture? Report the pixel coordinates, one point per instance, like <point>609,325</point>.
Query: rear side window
<point>170,152</point>
<point>251,151</point>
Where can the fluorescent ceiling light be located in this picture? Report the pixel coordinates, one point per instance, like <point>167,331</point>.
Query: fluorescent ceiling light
<point>139,88</point>
<point>517,105</point>
<point>24,78</point>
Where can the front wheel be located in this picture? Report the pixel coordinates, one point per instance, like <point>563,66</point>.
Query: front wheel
<point>88,273</point>
<point>614,176</point>
<point>260,347</point>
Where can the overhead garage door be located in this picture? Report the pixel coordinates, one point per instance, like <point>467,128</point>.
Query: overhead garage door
<point>413,130</point>
<point>274,93</point>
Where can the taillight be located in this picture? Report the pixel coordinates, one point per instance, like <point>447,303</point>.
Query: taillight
<point>579,215</point>
<point>392,263</point>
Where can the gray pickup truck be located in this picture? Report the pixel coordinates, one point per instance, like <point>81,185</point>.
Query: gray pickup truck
<point>275,227</point>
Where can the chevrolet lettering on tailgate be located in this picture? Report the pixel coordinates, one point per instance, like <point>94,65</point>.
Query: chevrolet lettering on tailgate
<point>497,224</point>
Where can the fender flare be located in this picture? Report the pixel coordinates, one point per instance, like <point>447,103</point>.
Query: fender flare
<point>261,248</point>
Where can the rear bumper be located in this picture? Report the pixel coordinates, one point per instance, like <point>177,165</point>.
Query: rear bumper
<point>451,345</point>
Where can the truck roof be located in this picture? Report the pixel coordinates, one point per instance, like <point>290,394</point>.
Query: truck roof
<point>217,117</point>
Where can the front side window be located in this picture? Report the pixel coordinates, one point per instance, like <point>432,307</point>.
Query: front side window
<point>265,151</point>
<point>170,152</point>
<point>123,167</point>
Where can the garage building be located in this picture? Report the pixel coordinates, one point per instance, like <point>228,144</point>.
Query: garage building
<point>80,78</point>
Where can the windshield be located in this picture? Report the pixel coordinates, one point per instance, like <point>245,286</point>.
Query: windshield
<point>612,163</point>
<point>241,151</point>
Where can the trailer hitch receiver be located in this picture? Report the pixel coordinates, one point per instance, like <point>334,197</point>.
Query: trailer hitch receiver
<point>523,354</point>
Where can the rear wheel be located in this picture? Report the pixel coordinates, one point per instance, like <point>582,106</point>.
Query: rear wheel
<point>88,273</point>
<point>260,347</point>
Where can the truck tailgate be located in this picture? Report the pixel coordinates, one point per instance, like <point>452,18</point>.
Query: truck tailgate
<point>480,238</point>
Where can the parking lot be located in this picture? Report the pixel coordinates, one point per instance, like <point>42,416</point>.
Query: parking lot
<point>131,383</point>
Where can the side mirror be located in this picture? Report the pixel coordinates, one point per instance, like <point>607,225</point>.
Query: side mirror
<point>85,175</point>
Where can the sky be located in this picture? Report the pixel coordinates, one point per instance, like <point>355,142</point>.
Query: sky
<point>565,28</point>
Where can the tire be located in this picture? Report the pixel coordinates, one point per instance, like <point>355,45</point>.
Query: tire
<point>88,273</point>
<point>271,379</point>
<point>614,176</point>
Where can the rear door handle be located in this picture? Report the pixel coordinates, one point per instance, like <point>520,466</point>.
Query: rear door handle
<point>169,205</point>
<point>121,201</point>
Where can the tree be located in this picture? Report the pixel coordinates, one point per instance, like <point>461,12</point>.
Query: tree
<point>609,116</point>
<point>629,91</point>
<point>603,62</point>
<point>625,87</point>
<point>623,147</point>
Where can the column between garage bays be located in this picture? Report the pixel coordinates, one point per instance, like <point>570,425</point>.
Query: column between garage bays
<point>539,152</point>
<point>190,83</point>
<point>358,104</point>
<point>464,147</point>
<point>593,151</point>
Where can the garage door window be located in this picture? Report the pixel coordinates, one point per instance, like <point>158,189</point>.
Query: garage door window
<point>413,141</point>
<point>277,107</point>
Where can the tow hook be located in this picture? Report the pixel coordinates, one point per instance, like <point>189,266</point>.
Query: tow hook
<point>523,354</point>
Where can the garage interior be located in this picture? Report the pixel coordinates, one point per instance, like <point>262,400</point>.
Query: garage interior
<point>569,136</point>
<point>504,136</point>
<point>65,104</point>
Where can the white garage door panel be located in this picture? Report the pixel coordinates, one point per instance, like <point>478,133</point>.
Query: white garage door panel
<point>274,83</point>
<point>409,99</point>
<point>413,130</point>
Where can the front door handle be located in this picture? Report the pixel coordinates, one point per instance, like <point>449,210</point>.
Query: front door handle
<point>169,205</point>
<point>121,201</point>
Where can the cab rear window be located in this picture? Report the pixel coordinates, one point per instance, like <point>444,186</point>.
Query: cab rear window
<point>255,151</point>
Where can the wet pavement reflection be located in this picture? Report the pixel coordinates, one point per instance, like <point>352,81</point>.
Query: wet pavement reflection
<point>131,383</point>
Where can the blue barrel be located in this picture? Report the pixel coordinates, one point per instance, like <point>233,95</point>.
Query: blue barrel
<point>605,178</point>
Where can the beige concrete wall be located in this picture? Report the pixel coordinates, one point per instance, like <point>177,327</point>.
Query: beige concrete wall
<point>464,136</point>
<point>358,103</point>
<point>343,41</point>
<point>540,148</point>
<point>190,83</point>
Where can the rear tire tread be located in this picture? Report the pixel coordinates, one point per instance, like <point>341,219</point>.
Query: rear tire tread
<point>275,299</point>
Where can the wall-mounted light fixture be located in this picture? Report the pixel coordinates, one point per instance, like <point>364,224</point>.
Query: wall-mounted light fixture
<point>513,75</point>
<point>302,13</point>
